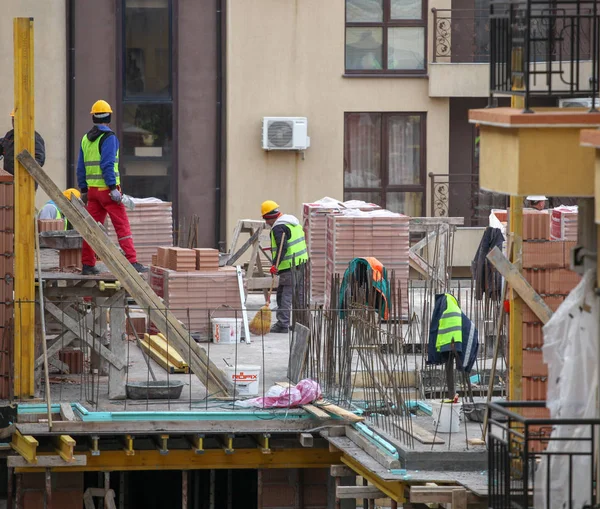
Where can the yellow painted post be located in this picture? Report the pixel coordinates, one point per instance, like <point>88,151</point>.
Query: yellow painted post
<point>24,294</point>
<point>515,329</point>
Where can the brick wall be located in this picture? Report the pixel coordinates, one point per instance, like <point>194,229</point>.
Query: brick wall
<point>293,488</point>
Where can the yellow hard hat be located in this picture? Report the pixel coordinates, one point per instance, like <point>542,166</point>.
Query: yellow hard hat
<point>267,207</point>
<point>101,107</point>
<point>12,113</point>
<point>69,193</point>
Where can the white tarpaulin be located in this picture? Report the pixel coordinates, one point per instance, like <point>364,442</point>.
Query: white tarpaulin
<point>571,352</point>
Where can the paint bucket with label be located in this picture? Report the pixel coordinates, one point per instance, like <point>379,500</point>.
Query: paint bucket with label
<point>245,379</point>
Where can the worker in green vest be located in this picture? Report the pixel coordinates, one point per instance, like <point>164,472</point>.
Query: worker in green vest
<point>50,209</point>
<point>287,236</point>
<point>450,326</point>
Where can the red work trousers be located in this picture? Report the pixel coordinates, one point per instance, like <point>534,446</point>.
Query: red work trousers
<point>99,206</point>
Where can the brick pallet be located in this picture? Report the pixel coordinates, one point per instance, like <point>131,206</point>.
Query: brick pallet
<point>193,296</point>
<point>563,223</point>
<point>151,227</point>
<point>385,237</point>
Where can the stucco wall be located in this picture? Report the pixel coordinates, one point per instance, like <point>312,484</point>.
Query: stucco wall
<point>50,78</point>
<point>287,59</point>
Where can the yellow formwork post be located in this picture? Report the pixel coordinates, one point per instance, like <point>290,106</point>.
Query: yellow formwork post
<point>515,328</point>
<point>24,295</point>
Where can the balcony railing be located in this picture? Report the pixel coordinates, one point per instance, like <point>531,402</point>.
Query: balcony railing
<point>461,35</point>
<point>459,195</point>
<point>543,49</point>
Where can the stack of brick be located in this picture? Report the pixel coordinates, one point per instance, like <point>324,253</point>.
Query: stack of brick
<point>564,223</point>
<point>193,297</point>
<point>314,219</point>
<point>181,259</point>
<point>207,259</point>
<point>51,225</point>
<point>546,267</point>
<point>380,234</point>
<point>151,226</point>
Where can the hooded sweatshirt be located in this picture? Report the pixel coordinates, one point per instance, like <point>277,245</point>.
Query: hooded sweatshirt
<point>279,228</point>
<point>109,146</point>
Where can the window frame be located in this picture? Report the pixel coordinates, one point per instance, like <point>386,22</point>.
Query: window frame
<point>385,25</point>
<point>384,158</point>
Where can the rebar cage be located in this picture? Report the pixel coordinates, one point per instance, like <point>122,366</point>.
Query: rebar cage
<point>541,463</point>
<point>541,48</point>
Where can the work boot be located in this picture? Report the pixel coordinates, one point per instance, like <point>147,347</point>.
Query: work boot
<point>139,267</point>
<point>279,329</point>
<point>89,270</point>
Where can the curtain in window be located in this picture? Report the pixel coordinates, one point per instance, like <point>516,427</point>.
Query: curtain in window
<point>362,167</point>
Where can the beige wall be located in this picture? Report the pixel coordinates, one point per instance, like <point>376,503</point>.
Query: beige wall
<point>286,58</point>
<point>50,78</point>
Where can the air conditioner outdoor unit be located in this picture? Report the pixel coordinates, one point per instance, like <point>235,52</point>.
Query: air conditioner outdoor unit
<point>285,133</point>
<point>580,102</point>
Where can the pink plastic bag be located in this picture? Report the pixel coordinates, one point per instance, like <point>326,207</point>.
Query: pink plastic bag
<point>306,391</point>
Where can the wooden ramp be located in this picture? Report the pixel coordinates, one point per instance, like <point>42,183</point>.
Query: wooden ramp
<point>207,372</point>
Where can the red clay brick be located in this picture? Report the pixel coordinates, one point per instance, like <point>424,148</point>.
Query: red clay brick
<point>162,257</point>
<point>72,357</point>
<point>532,335</point>
<point>533,364</point>
<point>562,281</point>
<point>69,258</point>
<point>536,225</point>
<point>543,254</point>
<point>181,259</point>
<point>49,225</point>
<point>534,388</point>
<point>553,302</point>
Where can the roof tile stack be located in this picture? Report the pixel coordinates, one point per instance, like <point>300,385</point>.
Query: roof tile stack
<point>194,296</point>
<point>207,259</point>
<point>151,226</point>
<point>563,225</point>
<point>315,227</point>
<point>379,234</point>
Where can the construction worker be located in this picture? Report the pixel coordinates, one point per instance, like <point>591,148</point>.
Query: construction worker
<point>293,256</point>
<point>51,211</point>
<point>99,182</point>
<point>7,148</point>
<point>537,202</point>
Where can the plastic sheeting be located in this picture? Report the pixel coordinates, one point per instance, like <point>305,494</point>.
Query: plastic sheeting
<point>571,352</point>
<point>304,392</point>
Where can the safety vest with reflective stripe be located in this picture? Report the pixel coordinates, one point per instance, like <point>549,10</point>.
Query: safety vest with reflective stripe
<point>91,161</point>
<point>450,326</point>
<point>296,252</point>
<point>58,214</point>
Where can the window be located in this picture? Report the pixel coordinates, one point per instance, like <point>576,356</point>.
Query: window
<point>146,159</point>
<point>384,160</point>
<point>385,36</point>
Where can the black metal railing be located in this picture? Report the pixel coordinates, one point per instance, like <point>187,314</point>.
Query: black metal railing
<point>458,194</point>
<point>541,463</point>
<point>461,35</point>
<point>547,49</point>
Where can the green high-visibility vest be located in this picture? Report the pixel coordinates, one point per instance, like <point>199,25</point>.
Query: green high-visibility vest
<point>91,161</point>
<point>450,327</point>
<point>296,252</point>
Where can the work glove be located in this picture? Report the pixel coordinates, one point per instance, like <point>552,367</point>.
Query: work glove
<point>84,198</point>
<point>273,270</point>
<point>115,195</point>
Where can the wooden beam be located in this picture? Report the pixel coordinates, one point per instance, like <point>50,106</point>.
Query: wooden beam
<point>340,412</point>
<point>393,489</point>
<point>358,492</point>
<point>65,447</point>
<point>24,216</point>
<point>25,445</point>
<point>47,461</point>
<point>432,494</point>
<point>116,380</point>
<point>66,412</point>
<point>306,440</point>
<point>336,431</point>
<point>420,434</point>
<point>341,471</point>
<point>316,411</point>
<point>206,371</point>
<point>515,317</point>
<point>372,450</point>
<point>519,284</point>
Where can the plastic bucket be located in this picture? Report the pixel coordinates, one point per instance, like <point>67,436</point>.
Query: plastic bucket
<point>446,416</point>
<point>245,379</point>
<point>226,330</point>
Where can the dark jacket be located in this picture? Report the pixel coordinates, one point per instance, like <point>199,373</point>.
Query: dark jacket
<point>466,350</point>
<point>7,149</point>
<point>487,279</point>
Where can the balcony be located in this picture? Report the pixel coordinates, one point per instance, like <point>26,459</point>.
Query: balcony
<point>460,53</point>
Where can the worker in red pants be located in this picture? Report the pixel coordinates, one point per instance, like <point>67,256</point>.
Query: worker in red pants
<point>99,181</point>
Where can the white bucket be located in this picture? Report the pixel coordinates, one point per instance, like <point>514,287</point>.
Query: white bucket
<point>245,379</point>
<point>226,330</point>
<point>446,416</point>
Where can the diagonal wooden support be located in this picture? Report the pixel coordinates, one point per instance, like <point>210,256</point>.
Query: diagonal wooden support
<point>65,447</point>
<point>74,327</point>
<point>518,283</point>
<point>206,371</point>
<point>26,446</point>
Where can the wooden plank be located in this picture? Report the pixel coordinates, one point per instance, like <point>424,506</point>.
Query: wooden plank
<point>116,377</point>
<point>421,434</point>
<point>433,222</point>
<point>250,242</point>
<point>459,499</point>
<point>66,412</point>
<point>515,317</point>
<point>75,327</point>
<point>317,412</point>
<point>306,440</point>
<point>298,352</point>
<point>340,412</point>
<point>206,371</point>
<point>372,450</point>
<point>439,494</point>
<point>24,212</point>
<point>341,471</point>
<point>359,492</point>
<point>519,284</point>
<point>337,431</point>
<point>53,460</point>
